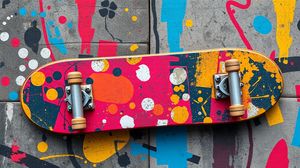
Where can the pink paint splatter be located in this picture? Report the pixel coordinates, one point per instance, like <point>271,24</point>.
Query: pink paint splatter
<point>15,42</point>
<point>107,48</point>
<point>86,10</point>
<point>279,155</point>
<point>62,19</point>
<point>297,87</point>
<point>272,55</point>
<point>5,81</point>
<point>49,7</point>
<point>235,22</point>
<point>16,156</point>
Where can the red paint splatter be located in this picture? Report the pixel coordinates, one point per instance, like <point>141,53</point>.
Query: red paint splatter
<point>62,19</point>
<point>107,48</point>
<point>272,55</point>
<point>5,81</point>
<point>297,87</point>
<point>15,42</point>
<point>86,10</point>
<point>16,155</point>
<point>235,22</point>
<point>49,7</point>
<point>279,156</point>
<point>44,31</point>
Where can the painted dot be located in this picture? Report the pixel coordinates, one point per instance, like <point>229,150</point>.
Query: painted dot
<point>23,53</point>
<point>4,36</point>
<point>262,24</point>
<point>13,95</point>
<point>134,18</point>
<point>5,81</point>
<point>126,9</point>
<point>22,68</point>
<point>60,92</point>
<point>51,94</point>
<point>62,19</point>
<point>147,104</point>
<point>49,7</point>
<point>57,75</point>
<point>207,120</point>
<point>89,81</point>
<point>185,97</point>
<point>134,47</point>
<point>43,14</point>
<point>42,146</point>
<point>15,42</point>
<point>70,25</point>
<point>11,16</point>
<point>104,121</point>
<point>38,79</point>
<point>189,23</point>
<point>180,114</point>
<point>117,72</point>
<point>100,66</point>
<point>34,13</point>
<point>4,23</point>
<point>45,53</point>
<point>22,11</point>
<point>132,105</point>
<point>8,18</point>
<point>158,109</point>
<point>33,64</point>
<point>48,79</point>
<point>200,99</point>
<point>112,109</point>
<point>20,80</point>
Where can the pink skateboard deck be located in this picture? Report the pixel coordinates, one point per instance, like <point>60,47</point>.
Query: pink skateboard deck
<point>150,90</point>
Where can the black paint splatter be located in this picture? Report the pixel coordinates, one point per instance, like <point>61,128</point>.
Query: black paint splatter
<point>32,37</point>
<point>123,160</point>
<point>5,2</point>
<point>298,25</point>
<point>2,64</point>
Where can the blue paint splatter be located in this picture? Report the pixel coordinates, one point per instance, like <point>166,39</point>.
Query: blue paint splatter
<point>34,13</point>
<point>55,38</point>
<point>13,95</point>
<point>171,145</point>
<point>43,14</point>
<point>262,24</point>
<point>173,13</point>
<point>22,11</point>
<point>296,137</point>
<point>70,25</point>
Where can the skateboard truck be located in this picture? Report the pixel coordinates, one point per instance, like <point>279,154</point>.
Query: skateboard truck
<point>79,98</point>
<point>229,85</point>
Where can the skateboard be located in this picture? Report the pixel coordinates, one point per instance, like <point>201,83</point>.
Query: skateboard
<point>125,92</point>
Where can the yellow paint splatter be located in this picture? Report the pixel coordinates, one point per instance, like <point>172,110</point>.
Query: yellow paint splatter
<point>207,120</point>
<point>38,79</point>
<point>132,105</point>
<point>126,9</point>
<point>274,115</point>
<point>133,60</point>
<point>51,94</point>
<point>60,155</point>
<point>42,146</point>
<point>175,99</point>
<point>134,18</point>
<point>100,146</point>
<point>189,23</point>
<point>285,15</point>
<point>134,47</point>
<point>179,114</point>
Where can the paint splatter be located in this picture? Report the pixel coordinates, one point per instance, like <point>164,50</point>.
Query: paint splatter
<point>55,37</point>
<point>262,24</point>
<point>16,156</point>
<point>284,15</point>
<point>32,37</point>
<point>15,42</point>
<point>279,155</point>
<point>62,19</point>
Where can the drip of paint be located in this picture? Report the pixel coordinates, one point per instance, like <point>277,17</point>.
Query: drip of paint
<point>285,15</point>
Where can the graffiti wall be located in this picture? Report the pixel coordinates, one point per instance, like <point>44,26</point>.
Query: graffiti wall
<point>36,32</point>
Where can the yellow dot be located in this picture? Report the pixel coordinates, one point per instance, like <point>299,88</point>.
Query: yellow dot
<point>207,120</point>
<point>132,105</point>
<point>176,88</point>
<point>42,146</point>
<point>279,87</point>
<point>85,162</point>
<point>189,23</point>
<point>126,9</point>
<point>200,99</point>
<point>38,79</point>
<point>180,114</point>
<point>51,94</point>
<point>133,47</point>
<point>94,165</point>
<point>106,65</point>
<point>199,92</point>
<point>134,18</point>
<point>175,98</point>
<point>133,60</point>
<point>181,88</point>
<point>285,61</point>
<point>272,75</point>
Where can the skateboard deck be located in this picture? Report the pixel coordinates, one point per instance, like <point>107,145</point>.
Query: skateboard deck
<point>150,90</point>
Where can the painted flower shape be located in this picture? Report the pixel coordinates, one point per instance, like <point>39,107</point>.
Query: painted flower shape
<point>108,9</point>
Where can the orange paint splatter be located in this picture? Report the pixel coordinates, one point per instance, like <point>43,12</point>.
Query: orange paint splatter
<point>112,109</point>
<point>158,109</point>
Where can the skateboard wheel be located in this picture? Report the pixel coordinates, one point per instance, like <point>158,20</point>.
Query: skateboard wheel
<point>74,78</point>
<point>232,65</point>
<point>78,123</point>
<point>236,110</point>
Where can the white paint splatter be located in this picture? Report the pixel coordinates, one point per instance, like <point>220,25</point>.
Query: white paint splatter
<point>147,104</point>
<point>8,18</point>
<point>45,53</point>
<point>252,110</point>
<point>143,73</point>
<point>104,121</point>
<point>4,23</point>
<point>23,53</point>
<point>4,36</point>
<point>33,64</point>
<point>162,122</point>
<point>178,76</point>
<point>98,66</point>
<point>20,80</point>
<point>127,122</point>
<point>9,111</point>
<point>185,97</point>
<point>22,68</point>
